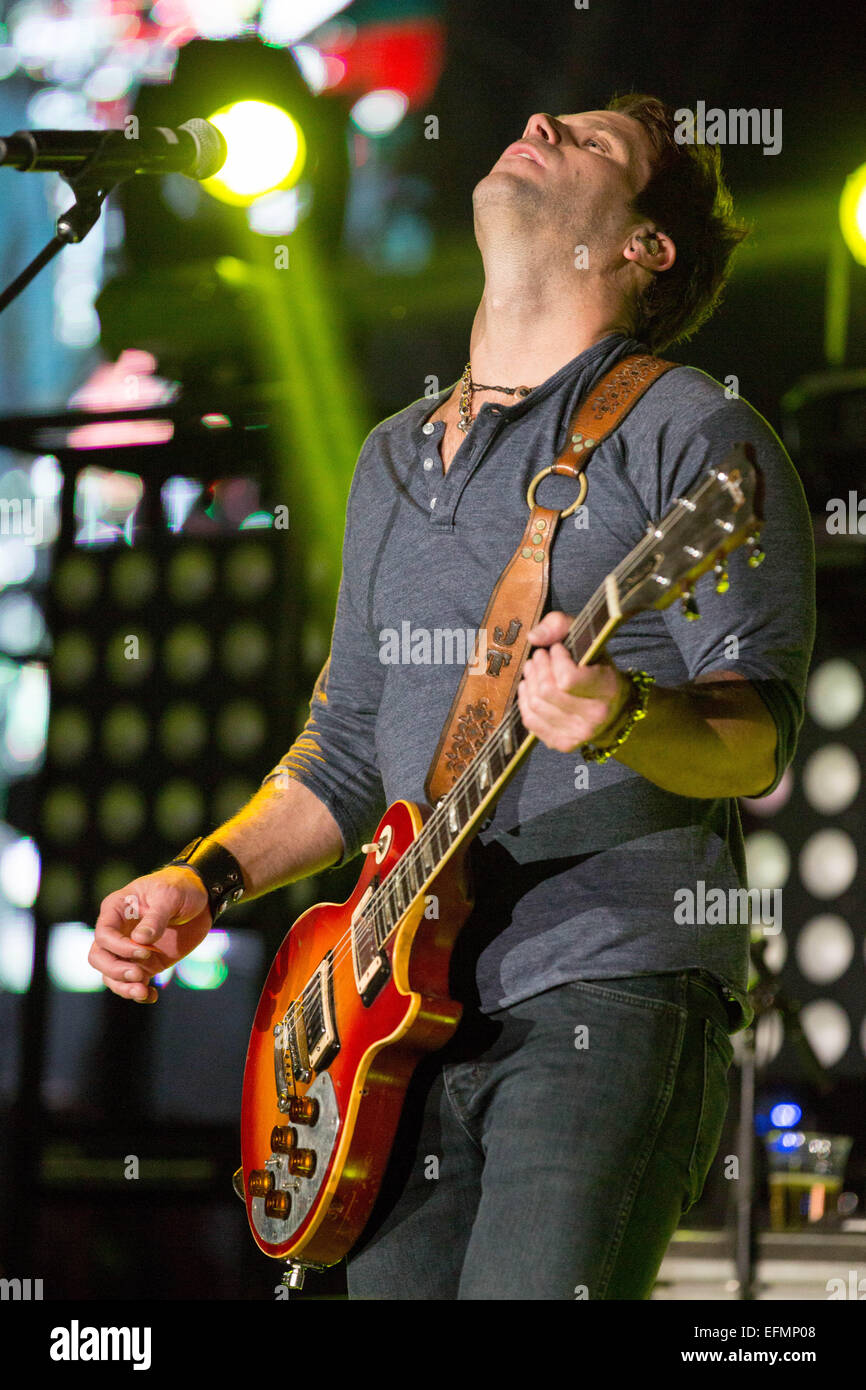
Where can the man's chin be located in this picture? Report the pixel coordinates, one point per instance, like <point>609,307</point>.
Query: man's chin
<point>505,187</point>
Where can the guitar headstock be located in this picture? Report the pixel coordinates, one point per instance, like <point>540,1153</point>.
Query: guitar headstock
<point>719,514</point>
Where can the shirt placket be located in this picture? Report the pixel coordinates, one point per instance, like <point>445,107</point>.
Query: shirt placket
<point>443,489</point>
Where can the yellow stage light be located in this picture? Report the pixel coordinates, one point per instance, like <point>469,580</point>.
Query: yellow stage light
<point>852,214</point>
<point>266,151</point>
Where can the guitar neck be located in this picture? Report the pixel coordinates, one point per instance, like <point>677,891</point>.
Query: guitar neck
<point>457,816</point>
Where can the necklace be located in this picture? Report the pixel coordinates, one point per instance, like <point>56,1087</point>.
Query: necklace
<point>467,386</point>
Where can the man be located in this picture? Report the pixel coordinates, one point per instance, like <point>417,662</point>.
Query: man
<point>549,1150</point>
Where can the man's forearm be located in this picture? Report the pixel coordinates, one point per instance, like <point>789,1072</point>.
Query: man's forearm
<point>712,738</point>
<point>284,833</point>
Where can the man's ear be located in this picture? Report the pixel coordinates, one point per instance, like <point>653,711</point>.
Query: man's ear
<point>653,250</point>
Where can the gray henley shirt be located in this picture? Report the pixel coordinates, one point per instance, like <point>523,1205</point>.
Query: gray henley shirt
<point>576,871</point>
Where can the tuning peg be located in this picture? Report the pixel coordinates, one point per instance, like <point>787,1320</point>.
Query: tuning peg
<point>722,581</point>
<point>756,554</point>
<point>690,607</point>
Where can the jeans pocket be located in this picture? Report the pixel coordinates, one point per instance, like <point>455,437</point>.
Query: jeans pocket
<point>718,1054</point>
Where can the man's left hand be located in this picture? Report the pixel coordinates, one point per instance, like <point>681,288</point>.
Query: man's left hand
<point>563,704</point>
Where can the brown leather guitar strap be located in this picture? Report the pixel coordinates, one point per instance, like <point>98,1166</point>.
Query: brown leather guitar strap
<point>516,604</point>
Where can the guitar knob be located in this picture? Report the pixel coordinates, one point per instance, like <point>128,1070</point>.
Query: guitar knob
<point>303,1111</point>
<point>278,1204</point>
<point>302,1163</point>
<point>722,581</point>
<point>690,607</point>
<point>283,1139</point>
<point>261,1182</point>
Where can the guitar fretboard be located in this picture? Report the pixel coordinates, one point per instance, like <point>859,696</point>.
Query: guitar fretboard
<point>457,813</point>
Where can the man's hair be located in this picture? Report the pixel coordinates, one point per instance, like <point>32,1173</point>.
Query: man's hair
<point>687,198</point>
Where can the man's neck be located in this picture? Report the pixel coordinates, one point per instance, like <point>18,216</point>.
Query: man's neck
<point>523,333</point>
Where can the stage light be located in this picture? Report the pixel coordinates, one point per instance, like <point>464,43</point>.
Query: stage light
<point>241,729</point>
<point>129,657</point>
<point>828,863</point>
<point>266,151</point>
<point>834,695</point>
<point>784,1115</point>
<point>183,731</point>
<point>767,859</point>
<point>278,214</point>
<point>245,650</point>
<point>68,966</point>
<point>852,214</point>
<point>61,890</point>
<point>16,952</point>
<point>179,810</point>
<point>19,871</point>
<point>828,1029</point>
<point>831,778</point>
<point>250,571</point>
<point>186,654</point>
<point>64,813</point>
<point>69,737</point>
<point>22,626</point>
<point>134,579</point>
<point>122,812</point>
<point>825,948</point>
<point>203,968</point>
<point>74,659</point>
<point>25,693</point>
<point>378,113</point>
<point>17,561</point>
<point>124,734</point>
<point>285,22</point>
<point>191,576</point>
<point>179,495</point>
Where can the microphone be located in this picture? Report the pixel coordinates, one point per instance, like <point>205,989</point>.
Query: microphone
<point>196,149</point>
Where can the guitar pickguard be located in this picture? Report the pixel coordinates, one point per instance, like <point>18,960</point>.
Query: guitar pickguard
<point>321,1138</point>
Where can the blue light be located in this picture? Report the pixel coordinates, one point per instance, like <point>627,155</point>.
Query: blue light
<point>792,1141</point>
<point>785,1115</point>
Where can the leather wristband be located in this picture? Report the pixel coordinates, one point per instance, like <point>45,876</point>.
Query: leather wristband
<point>218,870</point>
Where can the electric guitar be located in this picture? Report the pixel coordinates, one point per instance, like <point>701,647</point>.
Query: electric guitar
<point>358,991</point>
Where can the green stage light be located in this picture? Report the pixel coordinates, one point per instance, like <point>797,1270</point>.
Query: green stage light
<point>852,214</point>
<point>266,151</point>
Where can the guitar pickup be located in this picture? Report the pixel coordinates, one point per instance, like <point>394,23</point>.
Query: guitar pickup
<point>371,964</point>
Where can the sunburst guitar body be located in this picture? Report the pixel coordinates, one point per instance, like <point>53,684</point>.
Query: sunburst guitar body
<point>341,1024</point>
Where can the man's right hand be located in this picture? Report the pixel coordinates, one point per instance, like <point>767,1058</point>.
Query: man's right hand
<point>146,927</point>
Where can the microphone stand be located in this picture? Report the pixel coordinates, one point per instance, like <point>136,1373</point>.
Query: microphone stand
<point>765,996</point>
<point>91,188</point>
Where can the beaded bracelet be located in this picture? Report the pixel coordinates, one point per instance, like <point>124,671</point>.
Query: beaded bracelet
<point>635,709</point>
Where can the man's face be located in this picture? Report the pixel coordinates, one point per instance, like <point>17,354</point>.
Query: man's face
<point>569,179</point>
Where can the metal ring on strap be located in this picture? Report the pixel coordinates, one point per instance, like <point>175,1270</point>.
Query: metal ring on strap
<point>554,468</point>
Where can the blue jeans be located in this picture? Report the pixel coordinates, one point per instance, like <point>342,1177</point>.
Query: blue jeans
<point>549,1151</point>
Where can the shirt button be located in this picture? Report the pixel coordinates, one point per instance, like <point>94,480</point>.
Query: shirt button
<point>428,428</point>
<point>432,501</point>
<point>428,464</point>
